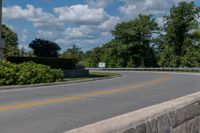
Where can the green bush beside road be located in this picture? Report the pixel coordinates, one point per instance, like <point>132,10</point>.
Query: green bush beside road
<point>27,73</point>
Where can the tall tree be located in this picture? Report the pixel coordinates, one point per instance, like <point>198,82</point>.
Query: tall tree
<point>137,36</point>
<point>113,54</point>
<point>44,48</point>
<point>11,41</point>
<point>74,52</point>
<point>178,35</point>
<point>94,57</point>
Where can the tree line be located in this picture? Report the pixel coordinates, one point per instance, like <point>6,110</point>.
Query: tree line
<point>140,42</point>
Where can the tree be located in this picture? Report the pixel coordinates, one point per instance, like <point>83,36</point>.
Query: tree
<point>137,36</point>
<point>178,34</point>
<point>112,54</point>
<point>44,48</point>
<point>11,41</point>
<point>73,52</point>
<point>24,53</point>
<point>131,46</point>
<point>95,57</point>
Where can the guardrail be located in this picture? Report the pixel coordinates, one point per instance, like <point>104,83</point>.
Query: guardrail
<point>181,69</point>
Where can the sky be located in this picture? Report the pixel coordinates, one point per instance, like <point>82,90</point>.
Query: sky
<point>85,23</point>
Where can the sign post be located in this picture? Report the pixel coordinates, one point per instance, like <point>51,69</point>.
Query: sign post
<point>2,42</point>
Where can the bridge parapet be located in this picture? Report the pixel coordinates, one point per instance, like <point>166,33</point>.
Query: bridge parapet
<point>181,115</point>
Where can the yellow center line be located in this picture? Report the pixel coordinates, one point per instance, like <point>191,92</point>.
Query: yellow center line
<point>84,95</point>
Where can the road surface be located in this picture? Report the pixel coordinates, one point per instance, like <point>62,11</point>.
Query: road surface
<point>55,109</point>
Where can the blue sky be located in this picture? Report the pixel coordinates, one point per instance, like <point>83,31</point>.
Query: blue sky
<point>85,23</point>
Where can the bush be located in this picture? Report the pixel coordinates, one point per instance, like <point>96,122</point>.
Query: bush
<point>57,63</point>
<point>27,73</point>
<point>8,73</point>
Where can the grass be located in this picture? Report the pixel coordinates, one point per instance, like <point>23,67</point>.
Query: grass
<point>94,75</point>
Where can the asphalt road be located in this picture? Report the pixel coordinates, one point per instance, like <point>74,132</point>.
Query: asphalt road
<point>55,109</point>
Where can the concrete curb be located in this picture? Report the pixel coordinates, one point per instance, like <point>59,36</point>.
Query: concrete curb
<point>55,83</point>
<point>171,116</point>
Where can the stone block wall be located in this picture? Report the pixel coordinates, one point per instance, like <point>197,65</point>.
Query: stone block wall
<point>181,115</point>
<point>76,73</point>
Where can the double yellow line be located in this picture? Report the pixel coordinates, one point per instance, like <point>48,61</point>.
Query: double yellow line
<point>84,95</point>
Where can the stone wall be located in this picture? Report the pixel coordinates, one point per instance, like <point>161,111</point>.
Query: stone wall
<point>76,73</point>
<point>181,115</point>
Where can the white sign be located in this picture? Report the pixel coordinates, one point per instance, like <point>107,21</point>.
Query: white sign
<point>102,65</point>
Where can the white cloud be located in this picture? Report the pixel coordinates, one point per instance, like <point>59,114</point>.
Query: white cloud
<point>23,36</point>
<point>85,44</point>
<point>99,3</point>
<point>110,23</point>
<point>35,15</point>
<point>87,25</point>
<point>49,35</point>
<point>82,32</point>
<point>81,14</point>
<point>158,8</point>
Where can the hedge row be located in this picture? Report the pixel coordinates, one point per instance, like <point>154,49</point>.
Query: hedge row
<point>27,73</point>
<point>57,63</point>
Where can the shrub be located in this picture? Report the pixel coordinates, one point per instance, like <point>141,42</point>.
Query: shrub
<point>8,73</point>
<point>57,63</point>
<point>27,73</point>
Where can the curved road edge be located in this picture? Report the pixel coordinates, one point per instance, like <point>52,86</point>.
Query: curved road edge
<point>169,115</point>
<point>57,83</point>
<point>89,80</point>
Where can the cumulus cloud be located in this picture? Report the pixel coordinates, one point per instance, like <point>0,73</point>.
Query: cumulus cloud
<point>85,44</point>
<point>109,24</point>
<point>99,3</point>
<point>81,14</point>
<point>82,32</point>
<point>30,13</point>
<point>85,25</point>
<point>155,7</point>
<point>158,8</point>
<point>23,36</point>
<point>49,35</point>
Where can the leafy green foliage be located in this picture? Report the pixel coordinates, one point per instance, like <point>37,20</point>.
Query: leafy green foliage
<point>95,57</point>
<point>27,73</point>
<point>137,36</point>
<point>11,41</point>
<point>8,73</point>
<point>141,43</point>
<point>73,52</point>
<point>113,54</point>
<point>58,63</point>
<point>178,45</point>
<point>44,48</point>
<point>132,46</point>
